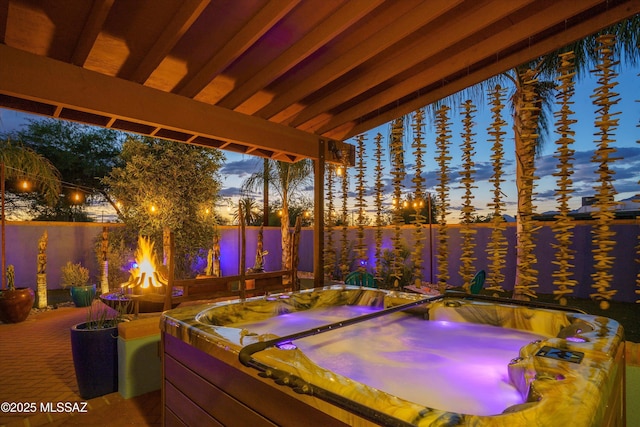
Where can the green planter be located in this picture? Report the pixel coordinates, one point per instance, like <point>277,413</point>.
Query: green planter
<point>83,296</point>
<point>16,304</point>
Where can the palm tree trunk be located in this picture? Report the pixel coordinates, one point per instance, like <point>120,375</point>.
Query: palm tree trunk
<point>526,118</point>
<point>265,195</point>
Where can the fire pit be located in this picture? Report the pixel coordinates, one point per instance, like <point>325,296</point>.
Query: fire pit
<point>146,286</point>
<point>146,303</point>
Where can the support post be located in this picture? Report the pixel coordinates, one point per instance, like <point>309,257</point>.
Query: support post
<point>243,263</point>
<point>168,297</point>
<point>318,215</point>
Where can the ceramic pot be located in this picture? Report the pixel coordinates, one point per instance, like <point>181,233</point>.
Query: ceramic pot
<point>83,296</point>
<point>95,359</point>
<point>16,304</point>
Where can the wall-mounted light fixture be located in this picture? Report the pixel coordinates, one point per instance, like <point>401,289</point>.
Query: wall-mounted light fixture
<point>334,150</point>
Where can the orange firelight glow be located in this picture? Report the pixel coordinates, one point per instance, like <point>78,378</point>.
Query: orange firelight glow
<point>146,275</point>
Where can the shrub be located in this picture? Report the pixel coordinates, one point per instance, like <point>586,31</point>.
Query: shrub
<point>74,275</point>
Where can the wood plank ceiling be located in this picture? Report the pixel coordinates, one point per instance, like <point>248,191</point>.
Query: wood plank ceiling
<point>269,77</point>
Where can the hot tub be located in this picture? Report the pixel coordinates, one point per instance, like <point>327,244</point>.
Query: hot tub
<point>358,357</point>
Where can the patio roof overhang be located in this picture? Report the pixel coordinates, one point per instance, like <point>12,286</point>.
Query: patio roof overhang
<point>279,79</point>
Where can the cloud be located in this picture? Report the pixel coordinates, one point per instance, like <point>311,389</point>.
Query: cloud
<point>242,168</point>
<point>584,173</point>
<point>230,191</point>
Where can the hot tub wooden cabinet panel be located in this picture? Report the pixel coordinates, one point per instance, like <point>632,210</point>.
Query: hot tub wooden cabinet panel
<point>209,392</point>
<point>220,368</point>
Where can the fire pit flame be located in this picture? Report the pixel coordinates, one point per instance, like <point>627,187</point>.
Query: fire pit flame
<point>147,275</point>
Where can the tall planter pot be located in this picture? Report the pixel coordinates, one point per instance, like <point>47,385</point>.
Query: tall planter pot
<point>16,304</point>
<point>83,296</point>
<point>95,359</point>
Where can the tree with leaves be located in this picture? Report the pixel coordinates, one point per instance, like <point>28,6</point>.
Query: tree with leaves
<point>165,185</point>
<point>83,154</point>
<point>20,162</point>
<point>287,180</point>
<point>249,208</point>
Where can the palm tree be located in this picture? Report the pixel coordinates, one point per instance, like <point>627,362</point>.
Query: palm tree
<point>18,161</point>
<point>542,71</point>
<point>286,179</point>
<point>249,209</point>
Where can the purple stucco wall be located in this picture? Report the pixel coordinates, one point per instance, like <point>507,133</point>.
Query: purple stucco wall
<point>74,242</point>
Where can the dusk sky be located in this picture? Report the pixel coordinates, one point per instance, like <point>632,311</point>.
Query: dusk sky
<point>627,169</point>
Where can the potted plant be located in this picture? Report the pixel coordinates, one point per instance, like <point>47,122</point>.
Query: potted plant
<point>77,277</point>
<point>15,303</point>
<point>94,347</point>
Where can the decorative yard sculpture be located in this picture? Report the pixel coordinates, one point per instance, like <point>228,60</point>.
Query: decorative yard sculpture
<point>467,269</point>
<point>497,247</point>
<point>604,98</point>
<point>563,224</point>
<point>213,256</point>
<point>378,198</point>
<point>329,250</point>
<point>418,196</point>
<point>443,138</point>
<point>104,250</point>
<point>344,239</point>
<point>41,277</point>
<point>361,204</point>
<point>397,173</point>
<point>258,266</point>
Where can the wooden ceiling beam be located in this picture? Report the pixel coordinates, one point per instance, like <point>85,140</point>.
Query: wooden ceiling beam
<point>182,21</point>
<point>262,22</point>
<point>581,30</point>
<point>46,81</point>
<point>330,28</point>
<point>93,25</point>
<point>384,37</point>
<point>442,67</point>
<point>469,21</point>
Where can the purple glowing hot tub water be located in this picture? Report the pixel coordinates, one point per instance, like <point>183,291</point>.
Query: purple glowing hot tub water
<point>446,365</point>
